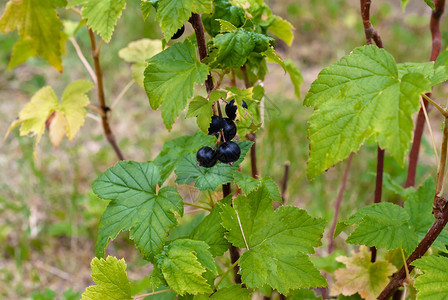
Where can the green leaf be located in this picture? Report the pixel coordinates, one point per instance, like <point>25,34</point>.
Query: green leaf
<point>282,29</point>
<point>183,263</point>
<point>226,26</point>
<point>232,292</point>
<point>248,184</point>
<point>22,50</point>
<point>274,57</point>
<point>383,225</point>
<point>433,284</point>
<point>295,75</point>
<point>172,14</point>
<point>188,171</point>
<point>137,53</point>
<point>232,49</point>
<point>223,11</point>
<point>170,78</point>
<point>357,97</point>
<point>101,15</point>
<point>111,279</point>
<point>201,108</point>
<point>211,231</point>
<point>38,24</point>
<point>361,275</point>
<point>430,4</point>
<point>276,242</point>
<point>403,4</point>
<point>173,151</point>
<point>137,205</point>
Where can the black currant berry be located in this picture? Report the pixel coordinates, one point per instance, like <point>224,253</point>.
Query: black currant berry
<point>216,125</point>
<point>229,129</point>
<point>178,33</point>
<point>228,152</point>
<point>231,109</point>
<point>206,157</point>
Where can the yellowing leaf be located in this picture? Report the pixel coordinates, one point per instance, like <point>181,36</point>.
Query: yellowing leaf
<point>112,281</point>
<point>69,114</point>
<point>37,23</point>
<point>362,276</point>
<point>137,53</point>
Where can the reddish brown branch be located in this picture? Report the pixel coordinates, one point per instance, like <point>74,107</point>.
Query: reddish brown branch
<point>101,97</point>
<point>430,237</point>
<point>434,26</point>
<point>285,181</point>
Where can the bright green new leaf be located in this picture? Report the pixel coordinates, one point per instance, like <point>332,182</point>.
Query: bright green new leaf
<point>211,231</point>
<point>173,151</point>
<point>201,108</point>
<point>362,276</point>
<point>39,25</point>
<point>361,95</point>
<point>188,171</point>
<point>232,292</point>
<point>111,279</point>
<point>433,284</point>
<point>383,225</point>
<point>226,26</point>
<point>276,241</point>
<point>274,57</point>
<point>101,15</point>
<point>430,4</point>
<point>170,78</point>
<point>223,11</point>
<point>172,14</point>
<point>137,53</point>
<point>295,75</point>
<point>247,184</point>
<point>137,204</point>
<point>183,263</point>
<point>283,29</point>
<point>68,117</point>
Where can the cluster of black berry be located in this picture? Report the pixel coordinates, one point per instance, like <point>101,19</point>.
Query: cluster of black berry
<point>224,129</point>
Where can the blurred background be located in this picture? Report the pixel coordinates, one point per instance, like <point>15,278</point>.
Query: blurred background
<point>48,214</point>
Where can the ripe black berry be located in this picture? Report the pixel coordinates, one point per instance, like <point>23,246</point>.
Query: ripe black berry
<point>231,109</point>
<point>228,152</point>
<point>206,157</point>
<point>229,129</point>
<point>216,125</point>
<point>178,33</point>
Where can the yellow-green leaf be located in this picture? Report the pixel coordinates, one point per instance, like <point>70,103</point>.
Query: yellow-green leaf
<point>37,23</point>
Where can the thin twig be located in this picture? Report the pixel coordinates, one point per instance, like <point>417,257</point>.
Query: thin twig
<point>123,91</point>
<point>430,132</point>
<point>83,60</point>
<point>92,116</point>
<point>436,105</point>
<point>198,206</point>
<point>102,99</point>
<point>338,203</point>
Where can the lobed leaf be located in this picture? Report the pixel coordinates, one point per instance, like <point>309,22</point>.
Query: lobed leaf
<point>433,283</point>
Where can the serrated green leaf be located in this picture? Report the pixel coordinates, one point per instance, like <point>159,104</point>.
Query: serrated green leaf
<point>201,108</point>
<point>361,275</point>
<point>232,292</point>
<point>226,26</point>
<point>357,97</point>
<point>156,278</point>
<point>211,231</point>
<point>188,171</point>
<point>170,78</point>
<point>22,50</point>
<point>433,284</point>
<point>183,263</point>
<point>295,75</point>
<point>274,57</point>
<point>282,29</point>
<point>136,206</point>
<point>101,15</point>
<point>37,23</point>
<point>248,184</point>
<point>383,225</point>
<point>223,11</point>
<point>137,53</point>
<point>277,242</point>
<point>111,279</point>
